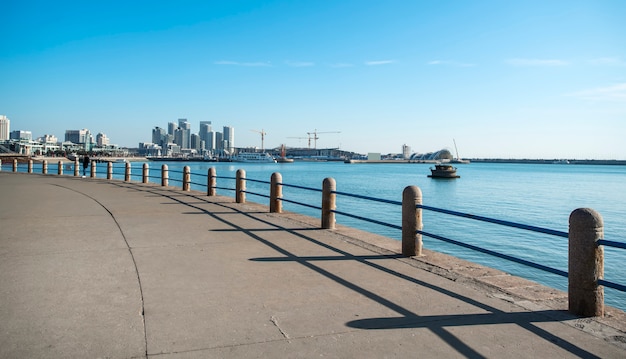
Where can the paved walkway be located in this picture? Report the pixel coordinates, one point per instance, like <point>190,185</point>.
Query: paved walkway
<point>90,268</point>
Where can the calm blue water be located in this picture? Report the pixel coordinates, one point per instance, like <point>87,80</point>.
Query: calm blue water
<point>541,195</point>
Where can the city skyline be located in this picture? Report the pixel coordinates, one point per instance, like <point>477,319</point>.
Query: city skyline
<point>532,79</point>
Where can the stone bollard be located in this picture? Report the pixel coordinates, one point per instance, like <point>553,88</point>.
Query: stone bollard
<point>30,166</point>
<point>145,174</point>
<point>411,221</point>
<point>276,193</point>
<point>329,186</point>
<point>240,186</point>
<point>44,167</point>
<point>211,182</point>
<point>586,263</point>
<point>127,172</point>
<point>186,178</point>
<point>109,170</point>
<point>60,168</point>
<point>76,168</point>
<point>14,165</point>
<point>93,169</point>
<point>164,176</point>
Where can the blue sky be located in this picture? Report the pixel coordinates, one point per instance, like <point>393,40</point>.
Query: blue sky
<point>523,79</point>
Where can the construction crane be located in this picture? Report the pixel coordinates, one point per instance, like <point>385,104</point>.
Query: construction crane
<point>315,138</point>
<point>263,133</point>
<point>302,138</point>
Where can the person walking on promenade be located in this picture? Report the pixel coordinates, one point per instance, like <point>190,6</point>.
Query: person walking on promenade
<point>85,165</point>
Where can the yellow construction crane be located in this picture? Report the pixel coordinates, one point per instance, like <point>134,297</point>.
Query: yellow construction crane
<point>263,133</point>
<point>315,138</point>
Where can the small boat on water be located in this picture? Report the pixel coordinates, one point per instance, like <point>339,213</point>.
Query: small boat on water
<point>255,157</point>
<point>283,155</point>
<point>443,170</point>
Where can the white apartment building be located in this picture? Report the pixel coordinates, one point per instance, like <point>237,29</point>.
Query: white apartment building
<point>5,128</point>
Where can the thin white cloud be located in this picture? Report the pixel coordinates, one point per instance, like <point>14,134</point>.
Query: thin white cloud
<point>608,61</point>
<point>536,62</point>
<point>248,64</point>
<point>379,62</point>
<point>300,63</point>
<point>609,93</point>
<point>450,63</point>
<point>341,64</point>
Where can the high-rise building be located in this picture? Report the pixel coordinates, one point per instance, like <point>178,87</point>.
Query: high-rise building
<point>159,137</point>
<point>206,134</point>
<point>219,141</point>
<point>171,128</point>
<point>5,128</point>
<point>229,139</point>
<point>195,142</point>
<point>185,125</point>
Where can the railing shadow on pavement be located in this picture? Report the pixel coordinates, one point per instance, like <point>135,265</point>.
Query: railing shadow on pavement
<point>437,324</point>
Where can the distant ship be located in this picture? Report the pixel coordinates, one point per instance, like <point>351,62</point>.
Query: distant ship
<point>443,170</point>
<point>256,157</point>
<point>283,156</point>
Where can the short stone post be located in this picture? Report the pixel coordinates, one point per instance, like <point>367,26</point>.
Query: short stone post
<point>44,167</point>
<point>109,170</point>
<point>76,168</point>
<point>211,182</point>
<point>586,263</point>
<point>186,178</point>
<point>145,174</point>
<point>60,168</point>
<point>127,172</point>
<point>329,186</point>
<point>14,165</point>
<point>276,193</point>
<point>411,221</point>
<point>164,175</point>
<point>93,169</point>
<point>240,186</point>
<point>30,166</point>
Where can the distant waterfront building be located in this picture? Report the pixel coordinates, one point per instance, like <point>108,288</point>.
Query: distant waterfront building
<point>21,135</point>
<point>229,139</point>
<point>5,128</point>
<point>443,154</point>
<point>77,136</point>
<point>102,140</point>
<point>48,139</point>
<point>406,151</point>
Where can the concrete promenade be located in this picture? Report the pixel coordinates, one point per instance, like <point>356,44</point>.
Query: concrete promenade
<point>91,268</point>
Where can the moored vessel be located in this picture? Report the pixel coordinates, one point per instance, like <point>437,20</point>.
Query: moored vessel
<point>257,157</point>
<point>443,170</point>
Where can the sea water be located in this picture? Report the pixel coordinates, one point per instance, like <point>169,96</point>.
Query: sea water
<point>541,195</point>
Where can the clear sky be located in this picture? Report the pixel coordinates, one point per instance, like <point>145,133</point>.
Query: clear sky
<point>506,79</point>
